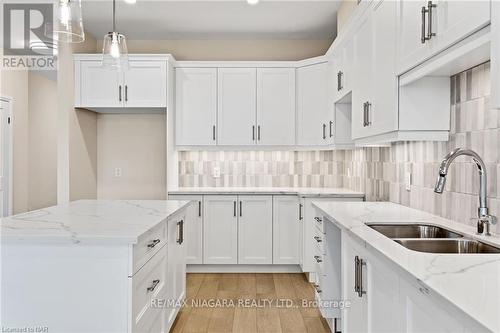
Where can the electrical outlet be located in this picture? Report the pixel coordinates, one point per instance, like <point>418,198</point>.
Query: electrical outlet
<point>408,181</point>
<point>118,172</point>
<point>216,172</point>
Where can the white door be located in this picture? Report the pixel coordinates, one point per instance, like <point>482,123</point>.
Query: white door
<point>236,106</point>
<point>220,229</point>
<point>286,230</point>
<point>354,318</point>
<point>411,49</point>
<point>255,229</point>
<point>193,228</point>
<point>146,84</point>
<point>313,112</point>
<point>276,106</point>
<point>5,158</point>
<point>196,106</point>
<point>363,72</point>
<point>99,87</point>
<point>458,19</point>
<point>176,253</point>
<point>383,113</point>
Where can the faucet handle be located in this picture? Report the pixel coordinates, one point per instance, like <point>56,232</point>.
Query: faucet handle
<point>480,226</point>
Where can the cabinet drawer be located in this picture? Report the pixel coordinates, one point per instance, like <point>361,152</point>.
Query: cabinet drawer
<point>149,243</point>
<point>318,223</point>
<point>148,283</point>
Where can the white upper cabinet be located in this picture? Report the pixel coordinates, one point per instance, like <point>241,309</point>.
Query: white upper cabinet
<point>342,58</point>
<point>276,106</point>
<point>96,86</point>
<point>313,112</point>
<point>142,87</point>
<point>196,106</point>
<point>236,100</point>
<point>145,84</point>
<point>255,230</point>
<point>426,28</point>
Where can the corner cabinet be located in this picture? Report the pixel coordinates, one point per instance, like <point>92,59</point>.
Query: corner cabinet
<point>142,87</point>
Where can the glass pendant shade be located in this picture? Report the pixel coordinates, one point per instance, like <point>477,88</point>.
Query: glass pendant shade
<point>114,51</point>
<point>68,25</point>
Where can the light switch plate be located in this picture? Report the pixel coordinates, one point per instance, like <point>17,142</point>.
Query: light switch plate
<point>118,172</point>
<point>216,172</point>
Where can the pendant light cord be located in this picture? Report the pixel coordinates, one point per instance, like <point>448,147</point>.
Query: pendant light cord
<point>114,8</point>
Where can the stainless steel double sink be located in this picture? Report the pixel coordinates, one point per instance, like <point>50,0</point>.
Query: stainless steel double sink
<point>432,239</point>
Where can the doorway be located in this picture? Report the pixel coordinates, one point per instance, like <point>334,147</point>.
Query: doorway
<point>5,156</point>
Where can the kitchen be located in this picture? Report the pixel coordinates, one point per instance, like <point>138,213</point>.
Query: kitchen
<point>274,166</point>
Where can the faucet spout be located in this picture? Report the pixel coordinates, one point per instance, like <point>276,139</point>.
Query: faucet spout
<point>483,214</point>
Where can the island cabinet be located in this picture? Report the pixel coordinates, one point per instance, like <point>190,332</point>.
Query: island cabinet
<point>126,273</point>
<point>385,299</point>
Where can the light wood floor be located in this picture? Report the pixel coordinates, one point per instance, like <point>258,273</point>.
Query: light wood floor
<point>267,319</point>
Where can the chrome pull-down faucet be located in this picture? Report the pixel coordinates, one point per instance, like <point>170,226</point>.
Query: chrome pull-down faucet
<point>484,219</point>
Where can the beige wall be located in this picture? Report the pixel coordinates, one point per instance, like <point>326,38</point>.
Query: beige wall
<point>135,143</point>
<point>265,50</point>
<point>42,124</point>
<point>15,84</point>
<point>344,13</point>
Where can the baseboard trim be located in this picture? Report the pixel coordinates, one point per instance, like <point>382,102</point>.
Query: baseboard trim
<point>243,269</point>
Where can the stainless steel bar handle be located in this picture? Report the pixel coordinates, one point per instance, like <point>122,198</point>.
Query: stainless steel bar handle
<point>258,132</point>
<point>423,37</point>
<point>356,274</point>
<point>234,208</point>
<point>331,128</point>
<point>368,107</point>
<point>153,243</point>
<point>153,285</point>
<point>324,131</point>
<point>430,6</point>
<point>213,132</point>
<point>199,208</point>
<point>253,133</point>
<point>361,292</point>
<point>364,114</point>
<point>241,208</point>
<point>126,93</point>
<point>301,217</point>
<point>339,81</point>
<point>180,232</point>
<point>119,93</point>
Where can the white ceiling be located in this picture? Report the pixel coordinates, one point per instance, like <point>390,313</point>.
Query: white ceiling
<point>209,19</point>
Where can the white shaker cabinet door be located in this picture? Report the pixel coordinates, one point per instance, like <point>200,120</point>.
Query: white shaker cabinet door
<point>236,106</point>
<point>196,106</point>
<point>313,111</point>
<point>146,84</point>
<point>286,230</point>
<point>220,231</point>
<point>97,86</point>
<point>255,229</point>
<point>193,228</point>
<point>276,106</point>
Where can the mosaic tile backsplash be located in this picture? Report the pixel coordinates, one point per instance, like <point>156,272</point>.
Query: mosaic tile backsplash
<point>380,172</point>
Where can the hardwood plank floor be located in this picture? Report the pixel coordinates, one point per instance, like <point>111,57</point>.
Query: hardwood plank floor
<point>254,307</point>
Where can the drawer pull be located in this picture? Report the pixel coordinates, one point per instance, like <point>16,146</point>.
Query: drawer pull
<point>153,286</point>
<point>318,259</point>
<point>318,239</point>
<point>317,287</point>
<point>318,219</point>
<point>153,243</point>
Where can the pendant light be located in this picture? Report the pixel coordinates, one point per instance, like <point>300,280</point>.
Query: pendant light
<point>68,25</point>
<point>114,48</point>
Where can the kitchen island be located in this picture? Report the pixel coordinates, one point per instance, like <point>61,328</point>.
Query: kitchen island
<point>93,266</point>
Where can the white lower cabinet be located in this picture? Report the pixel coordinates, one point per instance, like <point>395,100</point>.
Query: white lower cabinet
<point>220,229</point>
<point>255,229</point>
<point>384,299</point>
<point>193,228</point>
<point>286,230</point>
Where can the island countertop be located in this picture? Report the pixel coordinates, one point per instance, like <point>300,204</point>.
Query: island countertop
<point>89,221</point>
<point>470,282</point>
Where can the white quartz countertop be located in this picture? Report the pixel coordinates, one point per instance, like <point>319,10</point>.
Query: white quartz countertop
<point>469,281</point>
<point>300,191</point>
<point>89,221</point>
